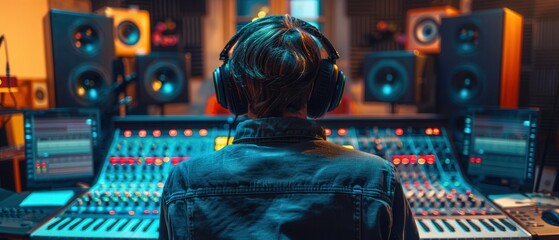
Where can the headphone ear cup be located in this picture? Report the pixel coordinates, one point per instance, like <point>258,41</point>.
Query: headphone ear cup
<point>234,99</point>
<point>323,89</point>
<point>338,90</point>
<point>220,88</point>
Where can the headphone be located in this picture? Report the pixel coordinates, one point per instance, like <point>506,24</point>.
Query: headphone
<point>326,93</point>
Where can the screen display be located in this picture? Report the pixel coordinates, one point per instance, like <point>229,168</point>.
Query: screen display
<point>60,147</point>
<point>499,146</point>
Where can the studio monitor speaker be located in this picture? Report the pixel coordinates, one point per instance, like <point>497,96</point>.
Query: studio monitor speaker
<point>394,76</point>
<point>480,60</point>
<point>131,30</point>
<point>423,27</point>
<point>36,94</point>
<point>162,78</point>
<point>80,52</point>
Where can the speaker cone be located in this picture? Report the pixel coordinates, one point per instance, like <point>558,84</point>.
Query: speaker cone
<point>39,94</point>
<point>86,39</point>
<point>387,81</point>
<point>466,86</point>
<point>467,38</point>
<point>128,32</point>
<point>164,81</point>
<point>89,85</point>
<point>426,31</point>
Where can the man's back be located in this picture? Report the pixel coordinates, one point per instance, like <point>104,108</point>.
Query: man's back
<point>281,179</point>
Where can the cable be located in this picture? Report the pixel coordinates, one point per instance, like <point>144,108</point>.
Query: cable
<point>8,75</point>
<point>547,139</point>
<point>230,128</point>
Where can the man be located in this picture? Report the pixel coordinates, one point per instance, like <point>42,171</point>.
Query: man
<point>281,179</point>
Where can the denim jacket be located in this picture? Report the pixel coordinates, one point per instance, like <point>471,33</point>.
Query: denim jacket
<point>281,179</point>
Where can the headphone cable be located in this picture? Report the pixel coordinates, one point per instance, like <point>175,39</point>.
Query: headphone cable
<point>230,128</point>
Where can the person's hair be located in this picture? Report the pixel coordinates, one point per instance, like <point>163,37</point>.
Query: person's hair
<point>275,61</point>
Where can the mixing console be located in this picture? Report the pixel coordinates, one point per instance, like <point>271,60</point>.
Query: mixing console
<point>124,202</point>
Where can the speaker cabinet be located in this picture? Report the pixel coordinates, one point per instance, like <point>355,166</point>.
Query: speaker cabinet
<point>423,27</point>
<point>394,76</point>
<point>36,94</point>
<point>480,60</point>
<point>162,78</point>
<point>80,51</point>
<point>131,30</point>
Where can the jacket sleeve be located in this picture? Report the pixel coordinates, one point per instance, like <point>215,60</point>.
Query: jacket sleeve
<point>163,225</point>
<point>403,226</point>
<point>165,228</point>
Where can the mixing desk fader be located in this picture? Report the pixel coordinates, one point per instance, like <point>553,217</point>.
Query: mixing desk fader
<point>124,202</point>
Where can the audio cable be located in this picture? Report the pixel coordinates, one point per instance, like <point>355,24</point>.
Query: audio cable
<point>230,128</point>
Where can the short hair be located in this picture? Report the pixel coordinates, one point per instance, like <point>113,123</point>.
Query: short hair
<point>275,61</point>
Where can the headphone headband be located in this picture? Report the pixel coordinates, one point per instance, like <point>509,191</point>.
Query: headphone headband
<point>313,31</point>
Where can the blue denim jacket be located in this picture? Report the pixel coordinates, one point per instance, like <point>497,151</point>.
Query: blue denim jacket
<point>281,179</point>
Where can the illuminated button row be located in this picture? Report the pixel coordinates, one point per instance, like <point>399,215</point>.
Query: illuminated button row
<point>172,132</point>
<point>340,132</point>
<point>428,131</point>
<point>413,159</point>
<point>146,160</point>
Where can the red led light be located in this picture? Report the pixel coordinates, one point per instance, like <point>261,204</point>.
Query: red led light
<point>142,133</point>
<point>113,160</point>
<point>156,133</point>
<point>430,159</point>
<point>146,211</point>
<point>413,159</point>
<point>399,131</point>
<point>112,212</point>
<point>327,132</point>
<point>429,131</point>
<point>127,133</point>
<point>158,161</point>
<point>478,160</point>
<point>396,160</point>
<point>424,213</point>
<point>342,132</point>
<point>44,165</point>
<point>472,212</point>
<point>155,211</point>
<point>405,160</point>
<point>175,160</point>
<point>173,132</point>
<point>203,132</point>
<point>188,132</point>
<point>472,160</point>
<point>407,184</point>
<point>436,131</point>
<point>149,160</point>
<point>436,213</point>
<point>131,161</point>
<point>131,213</point>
